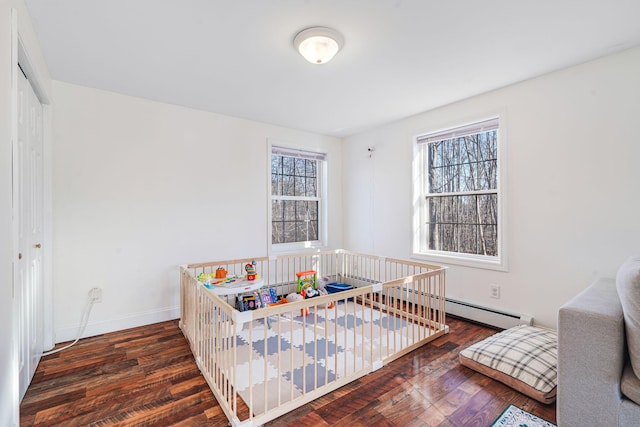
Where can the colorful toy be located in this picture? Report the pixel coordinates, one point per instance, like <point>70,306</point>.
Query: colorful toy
<point>252,301</point>
<point>210,282</point>
<point>206,278</point>
<point>306,279</point>
<point>251,270</point>
<point>268,296</point>
<point>221,273</point>
<point>309,292</point>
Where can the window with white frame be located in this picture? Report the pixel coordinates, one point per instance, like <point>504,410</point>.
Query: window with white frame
<point>458,197</point>
<point>297,198</point>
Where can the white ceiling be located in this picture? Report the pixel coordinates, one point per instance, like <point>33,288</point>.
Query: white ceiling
<point>401,57</point>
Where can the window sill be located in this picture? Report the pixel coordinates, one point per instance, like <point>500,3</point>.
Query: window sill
<point>471,261</point>
<point>285,248</point>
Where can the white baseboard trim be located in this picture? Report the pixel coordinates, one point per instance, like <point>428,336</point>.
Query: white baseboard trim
<point>70,333</point>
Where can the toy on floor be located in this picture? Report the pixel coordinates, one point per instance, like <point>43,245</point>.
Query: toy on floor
<point>268,296</point>
<point>309,292</point>
<point>306,280</point>
<point>293,297</point>
<point>308,286</point>
<point>322,283</point>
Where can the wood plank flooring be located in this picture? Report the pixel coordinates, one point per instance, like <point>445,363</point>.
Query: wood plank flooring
<point>147,376</point>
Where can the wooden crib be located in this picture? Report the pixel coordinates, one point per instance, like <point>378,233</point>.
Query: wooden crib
<point>263,363</point>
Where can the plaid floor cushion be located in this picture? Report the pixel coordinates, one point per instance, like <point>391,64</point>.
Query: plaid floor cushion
<point>524,358</point>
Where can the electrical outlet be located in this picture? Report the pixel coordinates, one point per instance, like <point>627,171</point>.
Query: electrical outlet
<point>95,295</point>
<point>494,291</point>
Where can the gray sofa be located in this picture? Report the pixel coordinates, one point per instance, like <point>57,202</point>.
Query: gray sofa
<point>596,385</point>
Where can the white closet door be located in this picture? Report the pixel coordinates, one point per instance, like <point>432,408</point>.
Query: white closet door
<point>29,186</point>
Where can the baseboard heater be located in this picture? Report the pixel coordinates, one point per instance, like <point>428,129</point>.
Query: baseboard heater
<point>466,310</point>
<point>488,316</point>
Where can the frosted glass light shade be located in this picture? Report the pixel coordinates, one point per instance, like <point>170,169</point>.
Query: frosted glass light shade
<point>318,44</point>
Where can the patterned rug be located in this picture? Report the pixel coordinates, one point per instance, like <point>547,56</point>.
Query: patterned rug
<point>516,417</point>
<point>310,357</point>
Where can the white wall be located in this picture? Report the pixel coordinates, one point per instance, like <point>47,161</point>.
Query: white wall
<point>573,179</point>
<point>8,363</point>
<point>141,187</point>
<point>9,404</point>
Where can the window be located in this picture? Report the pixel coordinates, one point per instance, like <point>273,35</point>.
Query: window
<point>296,198</point>
<point>458,197</point>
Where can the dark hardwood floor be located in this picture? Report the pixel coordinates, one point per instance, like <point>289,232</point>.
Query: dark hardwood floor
<point>147,376</point>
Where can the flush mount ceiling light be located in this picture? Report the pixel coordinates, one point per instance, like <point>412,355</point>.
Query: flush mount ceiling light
<point>318,44</point>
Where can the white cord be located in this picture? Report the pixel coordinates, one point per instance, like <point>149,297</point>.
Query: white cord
<point>83,324</point>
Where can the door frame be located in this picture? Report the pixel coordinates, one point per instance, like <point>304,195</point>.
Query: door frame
<point>20,54</point>
<point>33,76</point>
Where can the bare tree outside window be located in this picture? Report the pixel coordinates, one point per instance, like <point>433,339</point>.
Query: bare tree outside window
<point>295,200</point>
<point>462,197</point>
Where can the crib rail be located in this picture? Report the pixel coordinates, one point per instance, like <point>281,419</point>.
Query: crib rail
<point>264,363</point>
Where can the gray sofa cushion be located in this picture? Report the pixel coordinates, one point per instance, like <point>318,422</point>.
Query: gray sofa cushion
<point>628,286</point>
<point>630,384</point>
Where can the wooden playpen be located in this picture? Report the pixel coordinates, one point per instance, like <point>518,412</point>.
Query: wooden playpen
<point>263,363</point>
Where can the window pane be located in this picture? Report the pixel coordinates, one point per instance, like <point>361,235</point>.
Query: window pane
<point>289,210</point>
<point>301,211</point>
<point>276,164</point>
<point>299,186</point>
<point>467,209</point>
<point>467,177</point>
<point>311,168</point>
<point>488,207</point>
<point>294,220</point>
<point>434,167</point>
<point>288,164</point>
<point>313,210</point>
<point>307,231</point>
<point>277,232</point>
<point>290,232</point>
<point>448,238</point>
<point>288,185</point>
<point>468,238</point>
<point>465,224</point>
<point>310,186</point>
<point>463,164</point>
<point>277,210</point>
<point>300,167</point>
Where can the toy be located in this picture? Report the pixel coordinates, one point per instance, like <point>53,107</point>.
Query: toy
<point>211,283</point>
<point>268,296</point>
<point>309,292</point>
<point>310,287</point>
<point>323,292</point>
<point>293,297</point>
<point>221,273</point>
<point>205,278</point>
<point>322,283</point>
<point>306,279</point>
<point>251,301</point>
<point>251,270</point>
